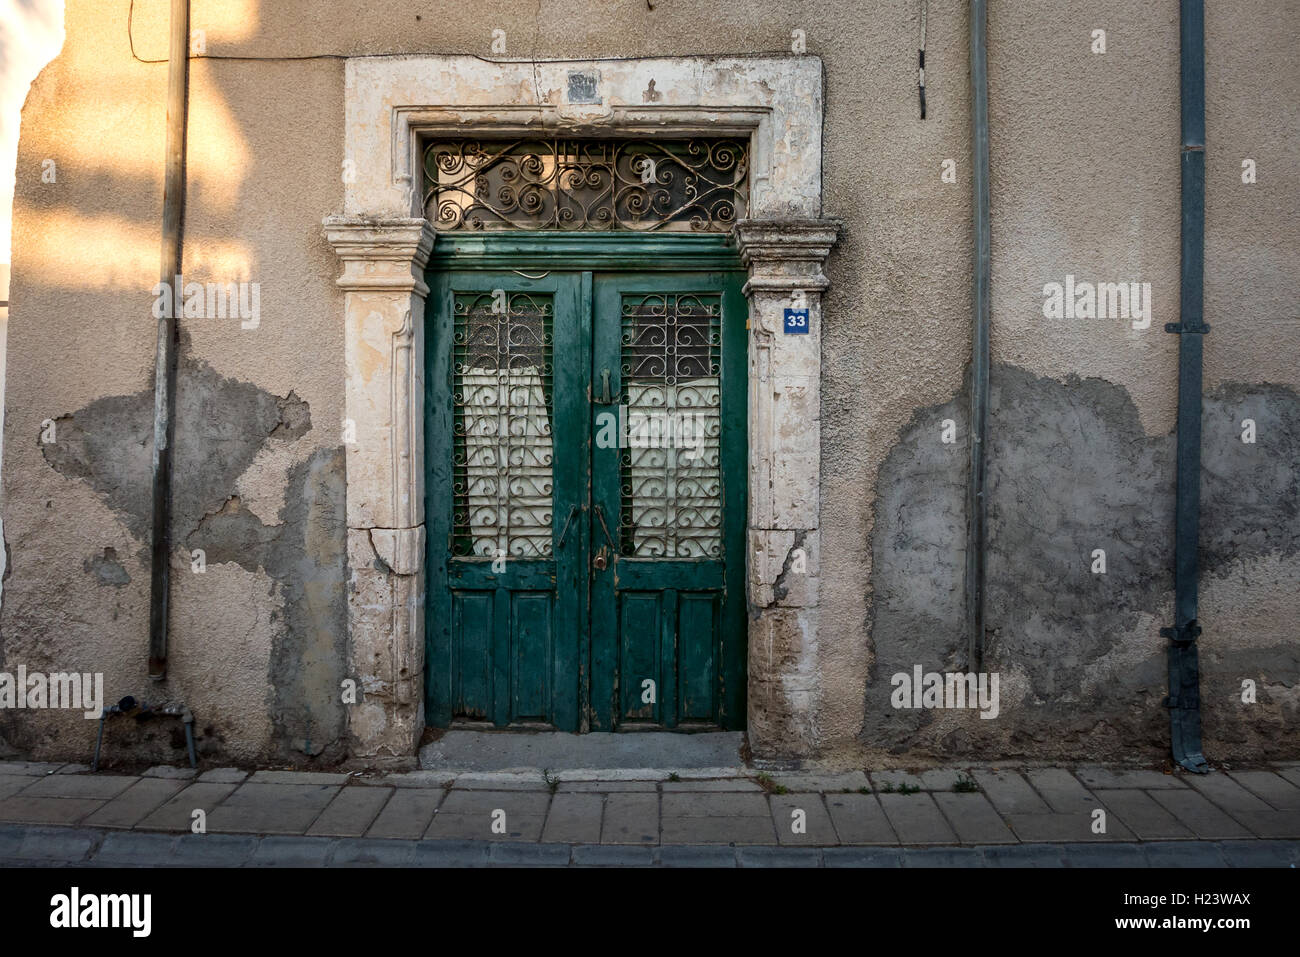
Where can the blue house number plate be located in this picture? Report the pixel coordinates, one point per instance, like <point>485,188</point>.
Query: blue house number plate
<point>796,322</point>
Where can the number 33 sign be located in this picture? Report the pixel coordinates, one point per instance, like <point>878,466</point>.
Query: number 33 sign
<point>796,322</point>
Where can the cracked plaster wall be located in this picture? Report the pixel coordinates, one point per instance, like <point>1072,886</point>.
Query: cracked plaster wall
<point>1084,162</point>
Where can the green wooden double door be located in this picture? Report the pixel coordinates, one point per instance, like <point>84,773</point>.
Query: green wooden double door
<point>587,468</point>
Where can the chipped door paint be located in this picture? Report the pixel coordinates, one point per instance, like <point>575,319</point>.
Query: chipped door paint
<point>668,625</point>
<point>507,454</point>
<point>536,614</point>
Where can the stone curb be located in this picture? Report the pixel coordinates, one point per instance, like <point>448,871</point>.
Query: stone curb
<point>44,846</point>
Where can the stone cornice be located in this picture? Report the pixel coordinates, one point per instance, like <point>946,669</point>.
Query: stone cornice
<point>808,240</point>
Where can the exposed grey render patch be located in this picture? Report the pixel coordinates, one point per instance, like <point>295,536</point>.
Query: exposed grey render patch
<point>295,418</point>
<point>108,446</point>
<point>234,534</point>
<point>305,555</point>
<point>1263,516</point>
<point>107,569</point>
<point>309,657</point>
<point>221,424</point>
<point>917,567</point>
<point>1081,662</point>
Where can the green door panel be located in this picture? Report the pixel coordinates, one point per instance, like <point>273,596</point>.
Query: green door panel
<point>499,392</point>
<point>577,582</point>
<point>667,613</point>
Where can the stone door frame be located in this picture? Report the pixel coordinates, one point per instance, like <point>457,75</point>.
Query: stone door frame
<point>384,243</point>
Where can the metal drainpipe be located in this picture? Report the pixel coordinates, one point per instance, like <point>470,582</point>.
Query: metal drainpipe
<point>976,506</point>
<point>1184,701</point>
<point>164,397</point>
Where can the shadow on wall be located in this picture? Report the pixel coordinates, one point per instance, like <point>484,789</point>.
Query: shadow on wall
<point>87,242</point>
<point>1080,659</point>
<point>4,340</point>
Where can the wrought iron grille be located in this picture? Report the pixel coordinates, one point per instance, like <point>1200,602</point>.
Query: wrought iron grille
<point>502,445</point>
<point>671,483</point>
<point>697,185</point>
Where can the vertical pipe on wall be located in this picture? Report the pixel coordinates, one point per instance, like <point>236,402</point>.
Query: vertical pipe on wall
<point>920,56</point>
<point>976,505</point>
<point>1184,701</point>
<point>164,407</point>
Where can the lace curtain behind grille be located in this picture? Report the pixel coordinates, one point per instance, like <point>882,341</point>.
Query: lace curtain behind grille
<point>505,455</point>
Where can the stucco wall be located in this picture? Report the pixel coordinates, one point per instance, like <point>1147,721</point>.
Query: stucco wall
<point>257,645</point>
<point>1085,182</point>
<point>1084,164</point>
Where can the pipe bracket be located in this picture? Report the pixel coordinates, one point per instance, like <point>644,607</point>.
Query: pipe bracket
<point>1182,634</point>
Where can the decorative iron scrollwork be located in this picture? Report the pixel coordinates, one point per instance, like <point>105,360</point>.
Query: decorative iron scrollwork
<point>696,185</point>
<point>671,478</point>
<point>502,376</point>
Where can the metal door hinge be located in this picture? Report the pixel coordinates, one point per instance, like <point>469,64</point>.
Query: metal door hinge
<point>605,397</point>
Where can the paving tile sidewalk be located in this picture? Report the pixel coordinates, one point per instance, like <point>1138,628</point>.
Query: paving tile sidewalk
<point>975,817</point>
<point>40,846</point>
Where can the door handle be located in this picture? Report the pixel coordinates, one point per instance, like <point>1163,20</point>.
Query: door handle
<point>600,562</point>
<point>565,531</point>
<point>605,398</point>
<point>600,514</point>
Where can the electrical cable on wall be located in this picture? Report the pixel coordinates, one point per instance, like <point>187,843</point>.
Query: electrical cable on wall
<point>288,58</point>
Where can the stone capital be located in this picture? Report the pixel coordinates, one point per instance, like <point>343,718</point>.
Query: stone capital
<point>785,255</point>
<point>381,254</point>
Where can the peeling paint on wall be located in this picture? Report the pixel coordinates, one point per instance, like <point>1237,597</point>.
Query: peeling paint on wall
<point>305,554</point>
<point>1082,664</point>
<point>106,569</point>
<point>221,426</point>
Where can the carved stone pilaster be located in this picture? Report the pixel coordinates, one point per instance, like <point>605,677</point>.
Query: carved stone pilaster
<point>785,259</point>
<point>383,433</point>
